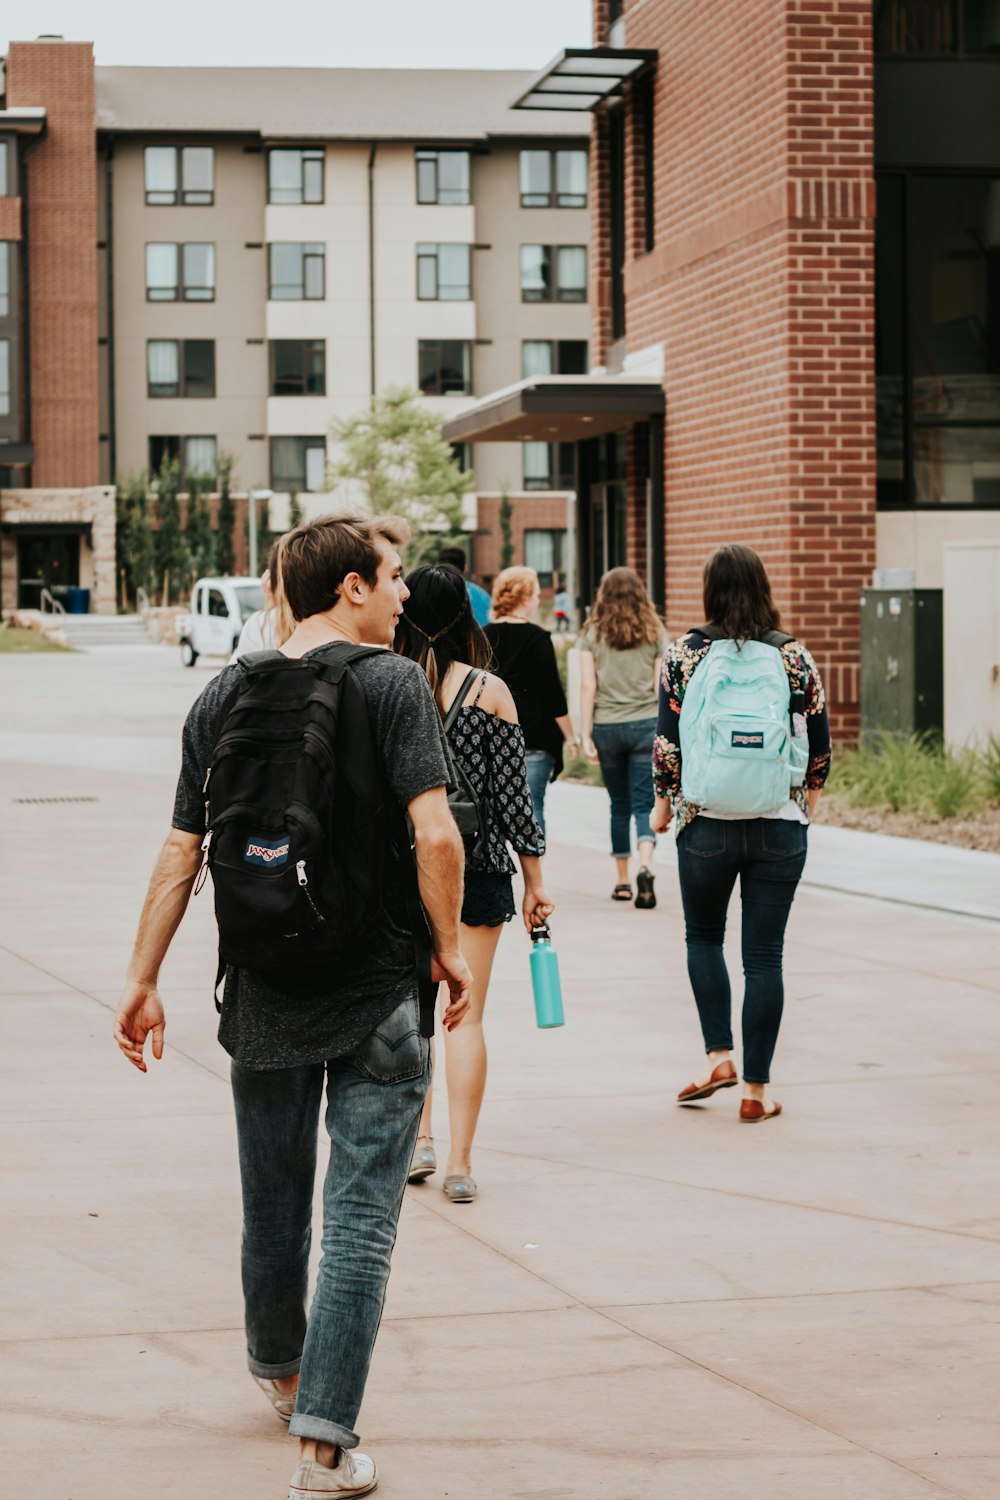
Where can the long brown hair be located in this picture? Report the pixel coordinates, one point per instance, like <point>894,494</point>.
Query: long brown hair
<point>623,616</point>
<point>737,594</point>
<point>438,626</point>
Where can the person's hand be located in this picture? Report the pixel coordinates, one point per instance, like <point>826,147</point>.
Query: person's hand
<point>452,970</point>
<point>572,747</point>
<point>590,750</point>
<point>139,1014</point>
<point>662,815</point>
<point>536,908</point>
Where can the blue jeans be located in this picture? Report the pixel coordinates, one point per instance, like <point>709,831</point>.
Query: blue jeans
<point>626,755</point>
<point>374,1100</point>
<point>768,855</point>
<point>539,765</point>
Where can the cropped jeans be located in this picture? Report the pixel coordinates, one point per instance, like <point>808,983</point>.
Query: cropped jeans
<point>626,755</point>
<point>373,1102</point>
<point>768,855</point>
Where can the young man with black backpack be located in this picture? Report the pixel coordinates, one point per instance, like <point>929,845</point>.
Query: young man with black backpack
<point>299,769</point>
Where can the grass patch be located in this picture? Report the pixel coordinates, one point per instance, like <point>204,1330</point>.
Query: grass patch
<point>917,775</point>
<point>13,639</point>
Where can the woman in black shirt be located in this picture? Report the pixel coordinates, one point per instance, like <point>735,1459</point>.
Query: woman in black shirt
<point>526,660</point>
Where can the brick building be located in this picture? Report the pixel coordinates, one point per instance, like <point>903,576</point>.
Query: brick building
<point>225,260</point>
<point>758,170</point>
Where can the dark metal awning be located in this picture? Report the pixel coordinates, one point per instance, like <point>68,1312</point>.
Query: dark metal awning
<point>581,77</point>
<point>558,409</point>
<point>36,527</point>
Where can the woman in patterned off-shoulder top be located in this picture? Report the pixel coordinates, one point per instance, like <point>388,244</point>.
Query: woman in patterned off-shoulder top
<point>439,631</point>
<point>766,853</point>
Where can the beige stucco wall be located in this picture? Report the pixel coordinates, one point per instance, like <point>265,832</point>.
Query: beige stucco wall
<point>916,539</point>
<point>235,220</point>
<point>95,505</point>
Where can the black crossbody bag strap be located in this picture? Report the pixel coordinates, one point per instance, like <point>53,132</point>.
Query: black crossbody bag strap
<point>459,700</point>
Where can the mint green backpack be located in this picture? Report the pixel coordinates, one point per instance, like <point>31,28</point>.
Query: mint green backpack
<point>741,749</point>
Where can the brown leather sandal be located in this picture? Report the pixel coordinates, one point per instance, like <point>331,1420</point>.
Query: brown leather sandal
<point>752,1111</point>
<point>622,892</point>
<point>723,1077</point>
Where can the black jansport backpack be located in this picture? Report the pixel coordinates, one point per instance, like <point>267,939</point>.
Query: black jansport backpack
<point>296,817</point>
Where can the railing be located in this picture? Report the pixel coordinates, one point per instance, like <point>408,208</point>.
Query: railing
<point>49,605</point>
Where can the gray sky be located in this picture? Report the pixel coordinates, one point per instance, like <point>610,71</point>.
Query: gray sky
<point>318,33</point>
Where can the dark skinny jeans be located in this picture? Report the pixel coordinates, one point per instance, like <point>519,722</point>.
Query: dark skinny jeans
<point>768,855</point>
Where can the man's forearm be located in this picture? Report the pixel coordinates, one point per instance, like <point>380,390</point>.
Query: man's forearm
<point>165,904</point>
<point>440,871</point>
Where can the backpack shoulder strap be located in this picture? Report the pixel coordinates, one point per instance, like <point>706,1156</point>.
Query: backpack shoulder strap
<point>253,661</point>
<point>776,639</point>
<point>711,632</point>
<point>459,700</point>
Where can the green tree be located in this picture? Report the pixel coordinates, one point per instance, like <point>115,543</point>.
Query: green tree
<point>506,531</point>
<point>265,536</point>
<point>294,510</point>
<point>198,533</point>
<point>395,456</point>
<point>172,559</point>
<point>133,535</point>
<point>225,546</point>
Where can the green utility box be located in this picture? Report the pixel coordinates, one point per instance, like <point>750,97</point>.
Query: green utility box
<point>902,661</point>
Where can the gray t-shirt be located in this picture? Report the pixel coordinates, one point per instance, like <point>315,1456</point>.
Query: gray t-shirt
<point>626,690</point>
<point>263,1027</point>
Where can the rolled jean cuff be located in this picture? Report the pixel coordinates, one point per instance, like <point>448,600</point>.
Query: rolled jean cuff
<point>303,1425</point>
<point>719,1047</point>
<point>273,1372</point>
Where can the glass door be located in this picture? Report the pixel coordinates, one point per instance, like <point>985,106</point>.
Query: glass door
<point>46,562</point>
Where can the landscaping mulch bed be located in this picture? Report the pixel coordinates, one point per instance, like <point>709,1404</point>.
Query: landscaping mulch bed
<point>980,830</point>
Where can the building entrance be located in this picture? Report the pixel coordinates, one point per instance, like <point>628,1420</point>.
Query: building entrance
<point>46,562</point>
<point>608,527</point>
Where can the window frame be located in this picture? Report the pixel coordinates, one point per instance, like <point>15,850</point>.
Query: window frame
<point>182,290</point>
<point>558,535</point>
<point>552,198</point>
<point>430,156</point>
<point>307,347</point>
<point>6,377</point>
<point>556,473</point>
<point>180,196</point>
<point>305,154</point>
<point>428,250</point>
<point>8,272</point>
<point>6,175</point>
<point>310,442</point>
<point>424,346</point>
<point>556,349</point>
<point>200,437</point>
<point>310,250</point>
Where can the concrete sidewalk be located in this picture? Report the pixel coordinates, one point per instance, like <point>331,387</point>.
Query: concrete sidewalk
<point>644,1301</point>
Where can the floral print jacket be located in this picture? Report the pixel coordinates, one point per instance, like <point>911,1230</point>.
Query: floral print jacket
<point>679,664</point>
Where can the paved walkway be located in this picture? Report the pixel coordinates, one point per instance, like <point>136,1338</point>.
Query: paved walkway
<point>644,1302</point>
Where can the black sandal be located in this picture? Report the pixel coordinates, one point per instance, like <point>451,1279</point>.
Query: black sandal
<point>646,897</point>
<point>622,892</point>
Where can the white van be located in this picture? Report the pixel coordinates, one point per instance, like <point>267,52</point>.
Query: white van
<point>220,607</point>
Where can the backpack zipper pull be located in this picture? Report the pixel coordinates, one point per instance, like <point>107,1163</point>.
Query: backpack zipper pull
<point>203,871</point>
<point>300,870</point>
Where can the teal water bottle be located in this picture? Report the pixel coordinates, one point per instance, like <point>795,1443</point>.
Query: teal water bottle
<point>545,979</point>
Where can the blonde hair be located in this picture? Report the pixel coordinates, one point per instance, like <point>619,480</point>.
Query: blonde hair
<point>512,588</point>
<point>623,616</point>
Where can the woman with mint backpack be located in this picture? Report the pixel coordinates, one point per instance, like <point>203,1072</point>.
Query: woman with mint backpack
<point>741,755</point>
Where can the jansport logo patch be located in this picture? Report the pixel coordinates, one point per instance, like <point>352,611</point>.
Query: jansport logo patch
<point>266,852</point>
<point>743,740</point>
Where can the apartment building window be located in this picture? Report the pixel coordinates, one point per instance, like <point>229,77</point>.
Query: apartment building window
<point>443,177</point>
<point>180,273</point>
<point>297,272</point>
<point>553,357</point>
<point>543,551</point>
<point>298,463</point>
<point>196,455</point>
<point>444,273</point>
<point>549,466</point>
<point>936,28</point>
<point>568,284</point>
<point>5,260</point>
<point>295,176</point>
<point>553,179</point>
<point>4,377</point>
<point>180,174</point>
<point>180,367</point>
<point>4,169</point>
<point>445,367</point>
<point>298,367</point>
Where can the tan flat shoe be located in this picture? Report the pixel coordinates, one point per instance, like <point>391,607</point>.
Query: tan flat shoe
<point>752,1111</point>
<point>723,1077</point>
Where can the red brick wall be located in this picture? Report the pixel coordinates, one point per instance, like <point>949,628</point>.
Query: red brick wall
<point>62,250</point>
<point>530,512</point>
<point>760,286</point>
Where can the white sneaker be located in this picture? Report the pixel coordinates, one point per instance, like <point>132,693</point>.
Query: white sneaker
<point>282,1401</point>
<point>354,1474</point>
